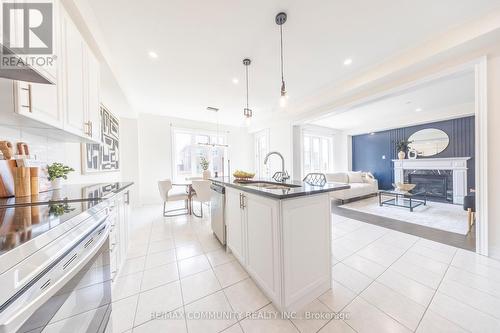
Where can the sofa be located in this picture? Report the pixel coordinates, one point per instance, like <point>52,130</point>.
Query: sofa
<point>362,184</point>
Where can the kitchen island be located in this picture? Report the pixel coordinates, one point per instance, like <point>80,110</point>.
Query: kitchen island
<point>281,234</point>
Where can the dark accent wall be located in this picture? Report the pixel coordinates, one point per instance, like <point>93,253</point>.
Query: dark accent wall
<point>368,150</point>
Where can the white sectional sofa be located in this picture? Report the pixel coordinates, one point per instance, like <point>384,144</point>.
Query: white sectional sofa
<point>362,184</point>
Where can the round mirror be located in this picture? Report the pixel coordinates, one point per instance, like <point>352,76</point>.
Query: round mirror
<point>429,141</point>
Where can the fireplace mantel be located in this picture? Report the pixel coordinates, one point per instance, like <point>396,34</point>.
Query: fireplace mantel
<point>457,164</point>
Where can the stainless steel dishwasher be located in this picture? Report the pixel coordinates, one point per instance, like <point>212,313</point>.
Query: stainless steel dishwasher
<point>217,200</point>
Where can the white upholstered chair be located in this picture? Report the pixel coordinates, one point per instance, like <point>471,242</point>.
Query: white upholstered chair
<point>168,195</point>
<point>202,194</point>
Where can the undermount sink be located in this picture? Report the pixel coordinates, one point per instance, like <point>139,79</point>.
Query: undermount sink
<point>271,186</point>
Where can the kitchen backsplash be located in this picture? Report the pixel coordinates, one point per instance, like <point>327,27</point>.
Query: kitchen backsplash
<point>49,151</point>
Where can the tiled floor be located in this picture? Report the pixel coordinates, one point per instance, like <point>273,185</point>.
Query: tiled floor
<point>383,281</point>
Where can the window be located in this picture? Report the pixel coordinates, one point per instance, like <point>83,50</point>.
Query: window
<point>317,153</point>
<point>189,146</point>
<point>261,150</point>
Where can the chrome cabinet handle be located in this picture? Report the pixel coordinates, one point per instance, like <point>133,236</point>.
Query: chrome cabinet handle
<point>243,205</point>
<point>29,106</point>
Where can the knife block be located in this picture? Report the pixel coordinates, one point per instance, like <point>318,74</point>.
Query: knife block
<point>22,182</point>
<point>7,170</point>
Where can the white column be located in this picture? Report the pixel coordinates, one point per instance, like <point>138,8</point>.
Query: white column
<point>459,186</point>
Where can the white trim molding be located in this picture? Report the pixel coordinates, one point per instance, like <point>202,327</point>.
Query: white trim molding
<point>458,165</point>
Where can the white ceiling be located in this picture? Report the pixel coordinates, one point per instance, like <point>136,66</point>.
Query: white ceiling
<point>445,98</point>
<point>200,46</point>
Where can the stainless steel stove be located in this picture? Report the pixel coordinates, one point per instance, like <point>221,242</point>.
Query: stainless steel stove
<point>55,267</point>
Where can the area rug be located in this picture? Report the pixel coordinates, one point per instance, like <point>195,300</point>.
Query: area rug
<point>436,215</point>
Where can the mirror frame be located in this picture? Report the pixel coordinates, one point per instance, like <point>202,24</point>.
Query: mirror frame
<point>427,129</point>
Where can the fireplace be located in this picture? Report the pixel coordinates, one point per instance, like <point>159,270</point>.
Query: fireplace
<point>435,169</point>
<point>437,184</point>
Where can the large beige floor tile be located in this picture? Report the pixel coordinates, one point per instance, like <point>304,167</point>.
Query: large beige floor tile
<point>199,285</point>
<point>193,265</point>
<point>230,273</point>
<point>366,318</point>
<point>245,296</point>
<point>157,276</point>
<point>159,300</point>
<point>214,305</point>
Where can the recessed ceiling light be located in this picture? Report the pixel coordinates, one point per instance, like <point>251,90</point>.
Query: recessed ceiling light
<point>153,54</point>
<point>347,62</point>
<point>235,80</point>
<point>418,109</point>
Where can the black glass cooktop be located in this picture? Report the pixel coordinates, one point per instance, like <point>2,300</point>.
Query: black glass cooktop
<point>20,224</point>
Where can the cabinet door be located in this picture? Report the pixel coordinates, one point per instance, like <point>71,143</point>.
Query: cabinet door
<point>234,224</point>
<point>93,98</point>
<point>39,102</point>
<point>73,50</point>
<point>262,247</point>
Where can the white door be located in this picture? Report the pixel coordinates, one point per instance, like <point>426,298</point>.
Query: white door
<point>74,78</point>
<point>262,220</point>
<point>235,224</point>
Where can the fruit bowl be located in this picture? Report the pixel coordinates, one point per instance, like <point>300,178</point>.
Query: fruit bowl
<point>243,175</point>
<point>404,187</point>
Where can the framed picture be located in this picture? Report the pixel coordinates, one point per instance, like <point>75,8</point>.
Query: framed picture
<point>104,156</point>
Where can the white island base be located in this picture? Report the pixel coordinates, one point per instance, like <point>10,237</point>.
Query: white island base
<point>283,244</point>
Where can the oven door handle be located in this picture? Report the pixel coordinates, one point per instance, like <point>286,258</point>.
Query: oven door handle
<point>12,319</point>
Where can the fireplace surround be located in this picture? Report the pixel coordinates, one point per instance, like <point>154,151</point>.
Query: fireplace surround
<point>444,178</point>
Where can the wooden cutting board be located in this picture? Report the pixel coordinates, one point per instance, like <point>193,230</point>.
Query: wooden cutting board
<point>7,178</point>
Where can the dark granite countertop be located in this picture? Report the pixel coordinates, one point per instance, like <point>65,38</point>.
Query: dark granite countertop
<point>69,193</point>
<point>297,189</point>
<point>24,219</point>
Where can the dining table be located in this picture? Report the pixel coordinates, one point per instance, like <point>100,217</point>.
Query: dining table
<point>188,184</point>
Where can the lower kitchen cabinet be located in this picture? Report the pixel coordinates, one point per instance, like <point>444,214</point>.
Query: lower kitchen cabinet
<point>119,232</point>
<point>284,245</point>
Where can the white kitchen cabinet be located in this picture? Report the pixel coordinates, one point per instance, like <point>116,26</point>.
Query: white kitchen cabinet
<point>119,232</point>
<point>38,102</point>
<point>81,84</point>
<point>234,216</point>
<point>73,48</point>
<point>283,244</point>
<point>261,220</point>
<point>92,82</point>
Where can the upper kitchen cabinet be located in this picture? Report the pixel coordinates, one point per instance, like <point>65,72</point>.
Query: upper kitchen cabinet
<point>93,81</point>
<point>80,88</point>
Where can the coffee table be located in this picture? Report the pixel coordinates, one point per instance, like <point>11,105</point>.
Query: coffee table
<point>402,199</point>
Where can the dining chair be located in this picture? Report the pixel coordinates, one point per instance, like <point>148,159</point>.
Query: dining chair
<point>202,194</point>
<point>165,187</point>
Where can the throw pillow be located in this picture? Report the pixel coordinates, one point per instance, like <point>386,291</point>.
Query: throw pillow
<point>355,177</point>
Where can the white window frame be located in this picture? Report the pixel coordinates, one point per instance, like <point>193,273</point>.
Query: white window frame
<point>261,171</point>
<point>193,132</point>
<point>321,136</point>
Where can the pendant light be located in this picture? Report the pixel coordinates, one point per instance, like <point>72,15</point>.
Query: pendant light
<point>280,20</point>
<point>247,112</point>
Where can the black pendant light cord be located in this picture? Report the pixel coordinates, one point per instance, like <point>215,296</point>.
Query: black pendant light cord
<point>281,40</point>
<point>246,68</point>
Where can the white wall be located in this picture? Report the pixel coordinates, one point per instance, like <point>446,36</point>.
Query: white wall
<point>342,152</point>
<point>155,150</point>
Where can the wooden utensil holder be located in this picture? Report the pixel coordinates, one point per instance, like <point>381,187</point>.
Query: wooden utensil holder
<point>34,181</point>
<point>22,182</point>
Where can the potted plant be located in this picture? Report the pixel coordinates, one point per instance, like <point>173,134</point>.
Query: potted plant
<point>402,148</point>
<point>57,172</point>
<point>204,165</point>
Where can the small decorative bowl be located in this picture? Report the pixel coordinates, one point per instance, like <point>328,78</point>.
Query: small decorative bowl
<point>404,187</point>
